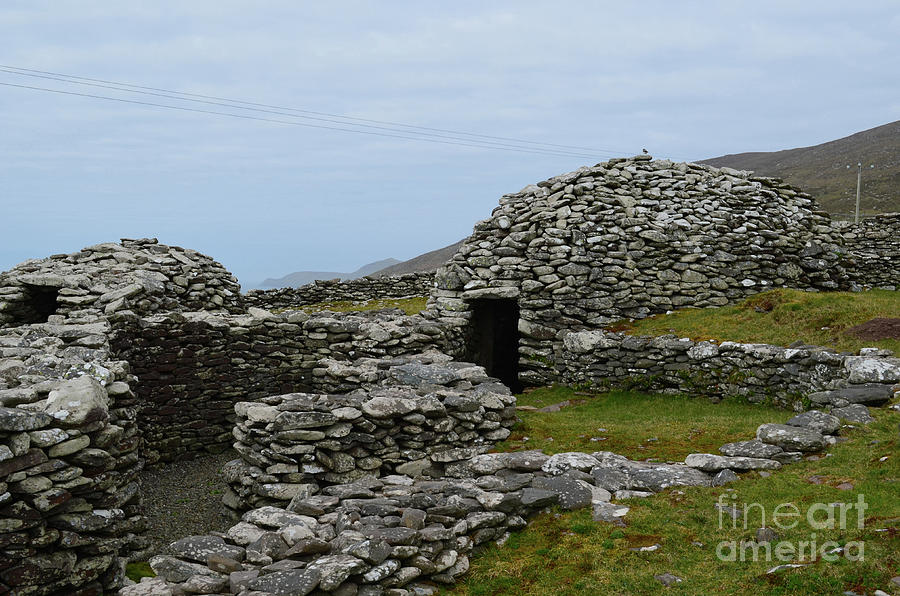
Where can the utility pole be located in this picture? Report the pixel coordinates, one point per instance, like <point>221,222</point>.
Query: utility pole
<point>858,184</point>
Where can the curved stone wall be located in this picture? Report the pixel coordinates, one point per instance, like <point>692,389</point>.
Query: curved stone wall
<point>416,416</point>
<point>69,461</point>
<point>353,290</point>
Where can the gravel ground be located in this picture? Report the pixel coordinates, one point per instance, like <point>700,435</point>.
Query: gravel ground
<point>184,498</point>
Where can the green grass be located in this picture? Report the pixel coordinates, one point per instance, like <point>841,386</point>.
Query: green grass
<point>135,571</point>
<point>410,306</point>
<point>781,317</point>
<point>568,554</point>
<point>679,425</point>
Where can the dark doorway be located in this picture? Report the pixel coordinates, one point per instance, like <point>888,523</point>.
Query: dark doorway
<point>38,304</point>
<point>495,339</point>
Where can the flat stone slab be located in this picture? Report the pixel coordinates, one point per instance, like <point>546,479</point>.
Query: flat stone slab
<point>574,460</point>
<point>791,438</point>
<point>875,394</point>
<point>608,512</point>
<point>199,548</point>
<point>708,462</point>
<point>817,421</point>
<point>753,448</point>
<point>854,413</point>
<point>662,477</point>
<point>287,583</point>
<point>573,494</point>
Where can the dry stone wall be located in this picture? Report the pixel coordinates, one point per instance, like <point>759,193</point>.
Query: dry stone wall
<point>138,275</point>
<point>69,495</point>
<point>786,376</point>
<point>872,251</point>
<point>633,237</point>
<point>416,415</point>
<point>193,367</point>
<point>353,290</point>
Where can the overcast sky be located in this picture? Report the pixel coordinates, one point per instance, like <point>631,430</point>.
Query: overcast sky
<point>686,80</point>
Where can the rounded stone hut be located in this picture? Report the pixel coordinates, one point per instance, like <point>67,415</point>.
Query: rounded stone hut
<point>625,239</point>
<point>140,275</point>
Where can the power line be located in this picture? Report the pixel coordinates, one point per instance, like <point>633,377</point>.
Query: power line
<point>293,123</point>
<point>489,144</point>
<point>303,111</point>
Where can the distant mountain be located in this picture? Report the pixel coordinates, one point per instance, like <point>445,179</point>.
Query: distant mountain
<point>427,262</point>
<point>301,278</point>
<point>822,170</point>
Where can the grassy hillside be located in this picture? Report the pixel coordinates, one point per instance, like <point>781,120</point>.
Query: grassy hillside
<point>782,317</point>
<point>822,170</point>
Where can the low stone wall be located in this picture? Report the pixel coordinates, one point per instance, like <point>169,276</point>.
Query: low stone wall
<point>364,288</point>
<point>755,371</point>
<point>193,367</point>
<point>873,250</point>
<point>69,495</point>
<point>417,416</point>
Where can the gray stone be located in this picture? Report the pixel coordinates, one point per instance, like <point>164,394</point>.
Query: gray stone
<point>274,517</point>
<point>416,374</point>
<point>373,552</point>
<point>753,448</point>
<point>573,494</point>
<point>609,478</point>
<point>874,394</point>
<point>562,462</point>
<point>388,407</point>
<point>863,369</point>
<point>662,477</point>
<point>527,461</point>
<point>724,477</point>
<point>791,438</point>
<point>335,569</point>
<point>535,497</point>
<point>148,586</point>
<point>177,571</point>
<point>287,583</point>
<point>856,413</point>
<point>16,420</point>
<point>715,463</point>
<point>817,421</point>
<point>78,402</point>
<point>608,512</point>
<point>788,457</point>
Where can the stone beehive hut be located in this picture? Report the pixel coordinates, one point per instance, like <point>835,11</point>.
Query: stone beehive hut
<point>138,275</point>
<point>625,239</point>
